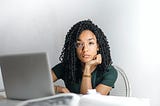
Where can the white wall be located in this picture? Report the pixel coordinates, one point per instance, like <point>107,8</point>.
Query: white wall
<point>130,25</point>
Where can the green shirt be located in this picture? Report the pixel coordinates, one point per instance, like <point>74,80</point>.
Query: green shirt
<point>107,78</point>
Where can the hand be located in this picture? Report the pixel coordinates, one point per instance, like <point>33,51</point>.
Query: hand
<point>64,90</point>
<point>96,60</point>
<point>93,63</point>
<point>60,89</point>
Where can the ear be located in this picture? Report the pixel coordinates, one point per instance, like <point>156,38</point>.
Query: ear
<point>98,49</point>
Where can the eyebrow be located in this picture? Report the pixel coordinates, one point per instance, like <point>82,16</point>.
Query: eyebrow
<point>88,39</point>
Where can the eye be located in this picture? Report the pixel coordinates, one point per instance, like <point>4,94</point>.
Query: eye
<point>91,43</point>
<point>79,45</point>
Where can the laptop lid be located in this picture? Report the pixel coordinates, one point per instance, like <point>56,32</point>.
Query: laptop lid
<point>26,76</point>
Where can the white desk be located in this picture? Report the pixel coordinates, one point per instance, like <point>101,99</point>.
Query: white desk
<point>92,100</point>
<point>7,102</point>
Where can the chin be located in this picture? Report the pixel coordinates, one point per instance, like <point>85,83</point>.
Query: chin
<point>85,60</point>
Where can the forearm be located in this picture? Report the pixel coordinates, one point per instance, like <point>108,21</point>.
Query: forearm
<point>86,81</point>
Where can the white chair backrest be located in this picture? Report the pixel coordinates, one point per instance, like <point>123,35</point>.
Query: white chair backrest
<point>1,81</point>
<point>122,86</point>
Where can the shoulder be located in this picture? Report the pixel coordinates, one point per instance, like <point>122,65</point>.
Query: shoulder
<point>111,72</point>
<point>112,69</point>
<point>109,76</point>
<point>57,66</point>
<point>58,70</point>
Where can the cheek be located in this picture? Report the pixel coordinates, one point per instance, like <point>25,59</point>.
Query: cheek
<point>78,53</point>
<point>93,51</point>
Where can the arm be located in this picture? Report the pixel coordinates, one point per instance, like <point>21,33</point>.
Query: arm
<point>108,81</point>
<point>103,89</point>
<point>89,67</point>
<point>86,81</point>
<point>86,77</point>
<point>58,89</point>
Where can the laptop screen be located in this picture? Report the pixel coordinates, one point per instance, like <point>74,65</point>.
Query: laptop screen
<point>26,76</point>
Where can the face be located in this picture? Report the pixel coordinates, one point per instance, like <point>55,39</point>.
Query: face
<point>86,46</point>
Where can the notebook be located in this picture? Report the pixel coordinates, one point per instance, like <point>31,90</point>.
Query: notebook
<point>26,76</point>
<point>61,99</point>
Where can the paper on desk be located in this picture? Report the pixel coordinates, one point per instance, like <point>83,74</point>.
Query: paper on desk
<point>100,100</point>
<point>92,92</point>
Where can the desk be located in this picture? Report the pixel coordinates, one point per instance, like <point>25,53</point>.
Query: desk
<point>93,100</point>
<point>6,102</point>
<point>62,99</point>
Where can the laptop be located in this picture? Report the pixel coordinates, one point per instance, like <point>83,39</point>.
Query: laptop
<point>26,76</point>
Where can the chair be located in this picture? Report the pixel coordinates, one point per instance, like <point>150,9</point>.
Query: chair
<point>122,86</point>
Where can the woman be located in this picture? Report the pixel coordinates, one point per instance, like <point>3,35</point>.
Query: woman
<point>85,61</point>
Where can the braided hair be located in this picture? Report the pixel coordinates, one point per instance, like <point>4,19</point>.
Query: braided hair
<point>69,57</point>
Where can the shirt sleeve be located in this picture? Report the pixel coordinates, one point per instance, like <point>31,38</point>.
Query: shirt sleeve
<point>110,76</point>
<point>58,70</point>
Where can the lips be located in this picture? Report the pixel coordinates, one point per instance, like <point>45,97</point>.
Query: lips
<point>85,56</point>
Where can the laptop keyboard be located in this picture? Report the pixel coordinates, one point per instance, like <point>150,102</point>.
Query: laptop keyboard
<point>58,101</point>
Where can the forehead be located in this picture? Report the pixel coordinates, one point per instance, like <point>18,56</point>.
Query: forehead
<point>87,35</point>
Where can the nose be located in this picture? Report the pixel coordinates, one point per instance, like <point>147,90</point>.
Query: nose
<point>85,47</point>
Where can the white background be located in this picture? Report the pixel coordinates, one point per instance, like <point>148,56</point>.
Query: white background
<point>132,28</point>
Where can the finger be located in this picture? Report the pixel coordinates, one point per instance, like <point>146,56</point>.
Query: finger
<point>99,59</point>
<point>67,91</point>
<point>95,57</point>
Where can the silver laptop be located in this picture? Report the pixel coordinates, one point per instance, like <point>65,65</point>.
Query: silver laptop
<point>26,76</point>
